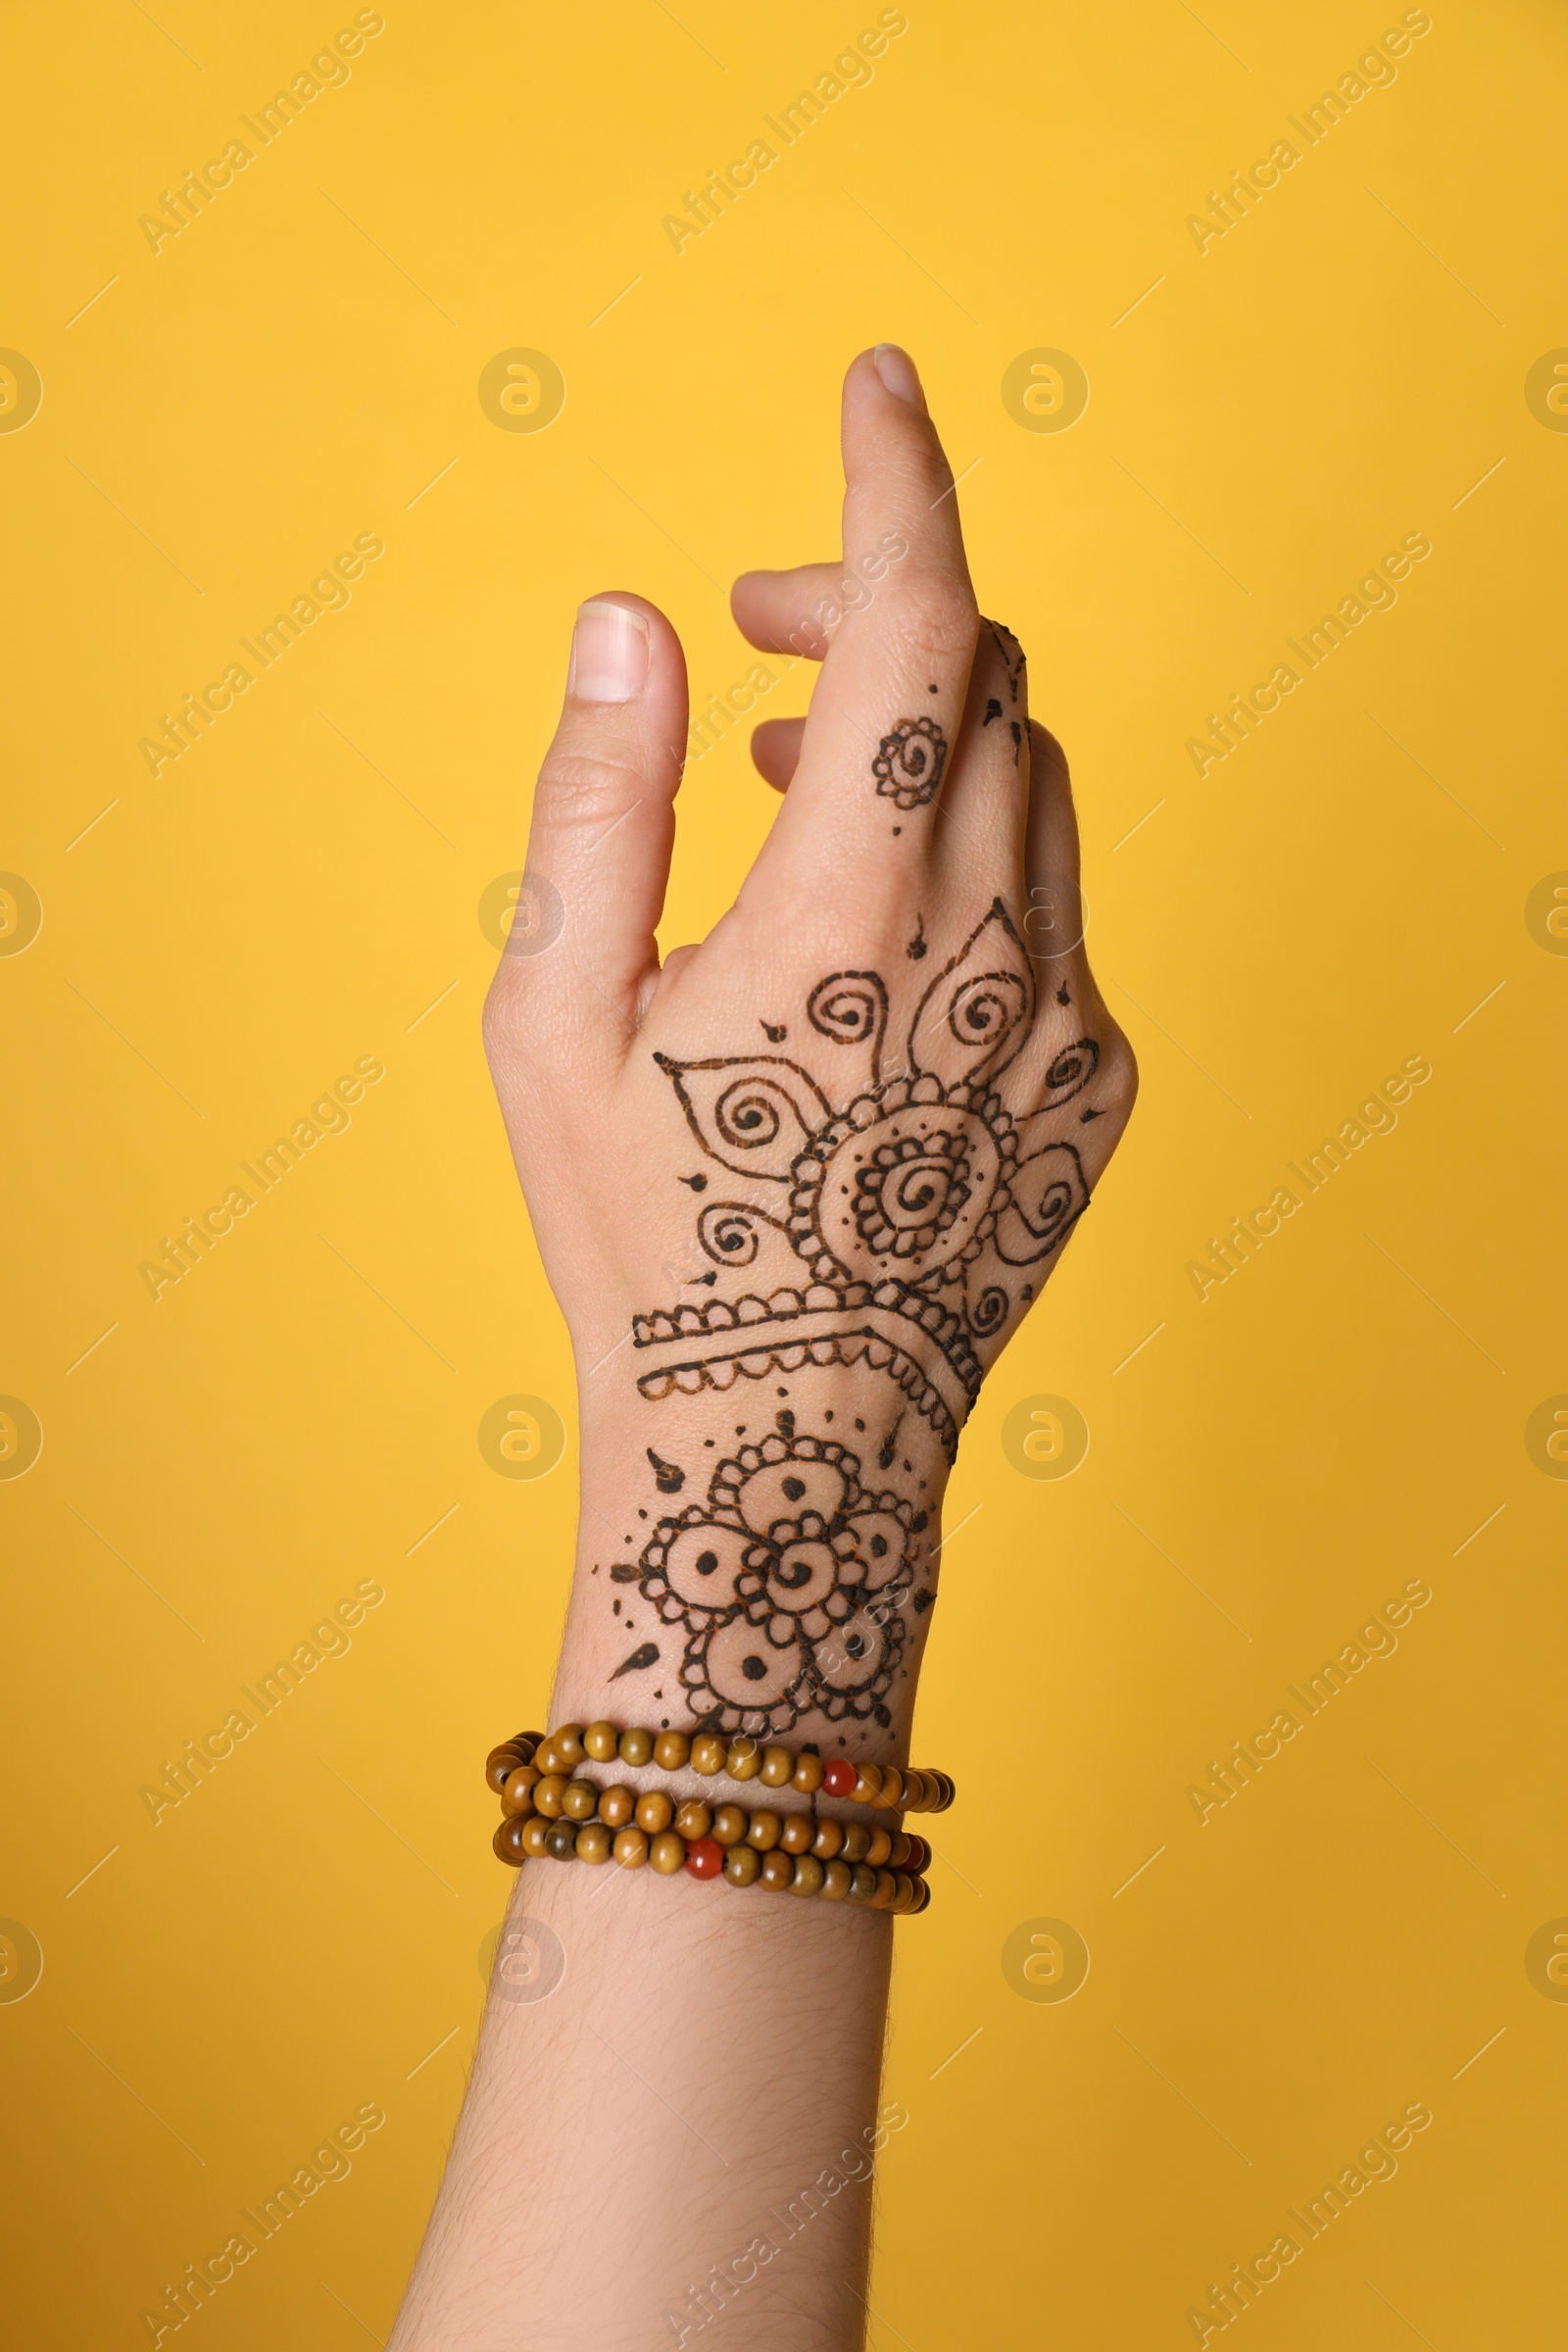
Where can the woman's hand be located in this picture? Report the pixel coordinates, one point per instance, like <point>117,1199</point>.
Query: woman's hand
<point>797,1189</point>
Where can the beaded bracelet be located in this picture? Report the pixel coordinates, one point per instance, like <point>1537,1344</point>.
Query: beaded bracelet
<point>744,1759</point>
<point>548,1811</point>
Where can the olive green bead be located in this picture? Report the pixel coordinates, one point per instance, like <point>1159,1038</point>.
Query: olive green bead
<point>828,1839</point>
<point>617,1806</point>
<point>694,1819</point>
<point>777,1872</point>
<point>602,1742</point>
<point>560,1841</point>
<point>548,1794</point>
<point>670,1750</point>
<point>808,1875</point>
<point>592,1842</point>
<point>806,1778</point>
<point>535,1830</point>
<point>667,1853</point>
<point>636,1747</point>
<point>863,1882</point>
<point>763,1830</point>
<point>742,1760</point>
<point>742,1866</point>
<point>580,1800</point>
<point>567,1742</point>
<point>776,1767</point>
<point>730,1824</point>
<point>630,1849</point>
<point>707,1753</point>
<point>836,1877</point>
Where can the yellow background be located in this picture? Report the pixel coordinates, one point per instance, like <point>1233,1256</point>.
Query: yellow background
<point>294,370</point>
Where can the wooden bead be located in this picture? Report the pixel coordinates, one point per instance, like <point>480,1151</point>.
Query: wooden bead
<point>863,1883</point>
<point>548,1794</point>
<point>636,1747</point>
<point>566,1740</point>
<point>694,1820</point>
<point>881,1845</point>
<point>922,1899</point>
<point>856,1840</point>
<point>527,1740</point>
<point>839,1776</point>
<point>797,1832</point>
<point>918,1858</point>
<point>730,1824</point>
<point>707,1753</point>
<point>828,1839</point>
<point>508,1841</point>
<point>501,1763</point>
<point>670,1750</point>
<point>742,1866</point>
<point>868,1784</point>
<point>899,1853</point>
<point>920,1794</point>
<point>891,1788</point>
<point>667,1853</point>
<point>560,1841</point>
<point>777,1872</point>
<point>602,1742</point>
<point>592,1842</point>
<point>630,1849</point>
<point>806,1778</point>
<point>617,1805</point>
<point>904,1891</point>
<point>887,1887</point>
<point>535,1830</point>
<point>808,1878</point>
<point>742,1760</point>
<point>518,1795</point>
<point>948,1792</point>
<point>704,1859</point>
<point>654,1812</point>
<point>836,1877</point>
<point>762,1832</point>
<point>580,1800</point>
<point>776,1768</point>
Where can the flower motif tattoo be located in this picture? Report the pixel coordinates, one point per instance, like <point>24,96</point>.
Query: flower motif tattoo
<point>790,1583</point>
<point>908,766</point>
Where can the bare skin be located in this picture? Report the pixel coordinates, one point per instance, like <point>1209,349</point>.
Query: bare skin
<point>794,1189</point>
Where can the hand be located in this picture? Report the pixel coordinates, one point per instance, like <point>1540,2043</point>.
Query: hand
<point>816,1170</point>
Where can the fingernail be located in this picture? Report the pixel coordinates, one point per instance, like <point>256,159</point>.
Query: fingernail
<point>609,653</point>
<point>897,370</point>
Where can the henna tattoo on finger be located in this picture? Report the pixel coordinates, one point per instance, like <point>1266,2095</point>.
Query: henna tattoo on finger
<point>908,766</point>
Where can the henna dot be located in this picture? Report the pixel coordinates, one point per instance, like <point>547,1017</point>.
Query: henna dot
<point>753,1668</point>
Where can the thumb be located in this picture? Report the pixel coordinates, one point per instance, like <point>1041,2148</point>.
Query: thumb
<point>600,843</point>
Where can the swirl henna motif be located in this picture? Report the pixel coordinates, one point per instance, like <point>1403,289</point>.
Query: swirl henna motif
<point>887,1215</point>
<point>908,764</point>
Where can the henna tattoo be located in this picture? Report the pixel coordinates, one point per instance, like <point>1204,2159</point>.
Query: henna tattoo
<point>789,1582</point>
<point>886,1217</point>
<point>908,766</point>
<point>774,1036</point>
<point>646,1654</point>
<point>669,1476</point>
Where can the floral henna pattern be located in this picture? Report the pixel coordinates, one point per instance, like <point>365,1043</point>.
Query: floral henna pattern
<point>908,766</point>
<point>789,1584</point>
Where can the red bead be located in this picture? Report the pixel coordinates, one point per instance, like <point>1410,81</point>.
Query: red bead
<point>919,1855</point>
<point>704,1857</point>
<point>839,1776</point>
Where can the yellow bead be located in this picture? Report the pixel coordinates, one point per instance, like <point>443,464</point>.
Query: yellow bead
<point>548,1794</point>
<point>835,1881</point>
<point>868,1782</point>
<point>580,1800</point>
<point>707,1753</point>
<point>806,1778</point>
<point>808,1875</point>
<point>617,1805</point>
<point>636,1747</point>
<point>518,1795</point>
<point>730,1824</point>
<point>670,1750</point>
<point>630,1849</point>
<point>777,1766</point>
<point>602,1742</point>
<point>667,1853</point>
<point>742,1866</point>
<point>567,1742</point>
<point>881,1845</point>
<point>891,1788</point>
<point>654,1812</point>
<point>777,1872</point>
<point>592,1842</point>
<point>828,1839</point>
<point>535,1830</point>
<point>742,1760</point>
<point>694,1819</point>
<point>797,1832</point>
<point>762,1832</point>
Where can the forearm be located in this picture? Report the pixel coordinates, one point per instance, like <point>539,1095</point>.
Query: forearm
<point>689,2117</point>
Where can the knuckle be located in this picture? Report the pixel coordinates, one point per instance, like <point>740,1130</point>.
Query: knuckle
<point>937,617</point>
<point>586,788</point>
